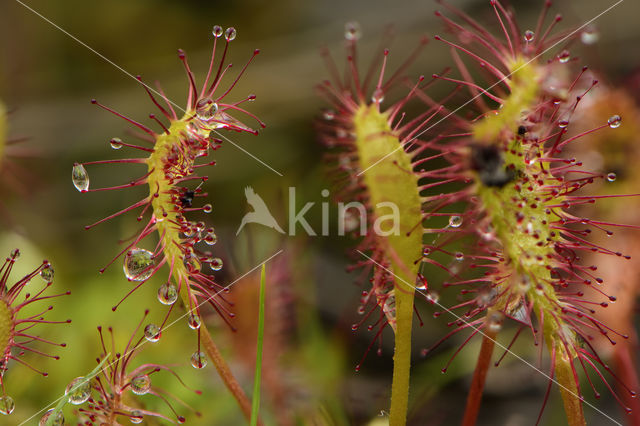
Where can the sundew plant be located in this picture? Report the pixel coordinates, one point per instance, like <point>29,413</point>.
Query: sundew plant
<point>319,214</point>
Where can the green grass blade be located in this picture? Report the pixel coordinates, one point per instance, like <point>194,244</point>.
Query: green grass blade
<point>255,406</point>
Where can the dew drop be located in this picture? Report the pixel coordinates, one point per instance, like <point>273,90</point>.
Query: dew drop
<point>206,109</point>
<point>421,286</point>
<point>78,391</point>
<point>377,96</point>
<point>230,34</point>
<point>15,253</point>
<point>459,256</point>
<point>329,114</point>
<point>352,31</point>
<point>494,321</point>
<point>58,420</point>
<point>137,264</point>
<point>432,297</point>
<point>217,31</point>
<point>140,385</point>
<point>136,417</point>
<point>198,360</point>
<point>611,177</point>
<point>589,36</point>
<point>216,263</point>
<point>211,238</point>
<point>194,321</point>
<point>564,56</point>
<point>529,36</point>
<point>116,143</point>
<point>207,208</point>
<point>80,177</point>
<point>47,273</point>
<point>563,123</point>
<point>6,405</point>
<point>614,121</point>
<point>167,294</point>
<point>426,251</point>
<point>152,333</point>
<point>455,221</point>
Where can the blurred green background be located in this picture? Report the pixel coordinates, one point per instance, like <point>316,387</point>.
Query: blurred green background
<point>47,80</point>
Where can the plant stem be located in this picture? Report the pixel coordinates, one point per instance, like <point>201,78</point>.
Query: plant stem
<point>479,376</point>
<point>401,357</point>
<point>255,408</point>
<point>225,372</point>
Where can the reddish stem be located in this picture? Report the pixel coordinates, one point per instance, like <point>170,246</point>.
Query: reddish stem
<point>479,375</point>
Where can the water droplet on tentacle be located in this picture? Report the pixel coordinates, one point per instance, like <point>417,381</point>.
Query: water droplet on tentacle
<point>7,405</point>
<point>217,31</point>
<point>140,385</point>
<point>167,294</point>
<point>137,264</point>
<point>230,34</point>
<point>455,221</point>
<point>47,273</point>
<point>80,177</point>
<point>352,31</point>
<point>152,333</point>
<point>529,36</point>
<point>58,420</point>
<point>78,391</point>
<point>116,143</point>
<point>206,109</point>
<point>216,264</point>
<point>611,177</point>
<point>614,121</point>
<point>198,360</point>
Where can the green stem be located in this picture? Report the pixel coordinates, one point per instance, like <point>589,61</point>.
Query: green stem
<point>255,408</point>
<point>401,357</point>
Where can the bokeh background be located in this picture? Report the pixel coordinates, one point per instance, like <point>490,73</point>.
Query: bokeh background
<point>47,80</point>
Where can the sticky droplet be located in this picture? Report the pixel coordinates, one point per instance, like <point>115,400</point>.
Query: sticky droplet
<point>564,56</point>
<point>47,273</point>
<point>80,177</point>
<point>211,238</point>
<point>78,391</point>
<point>216,264</point>
<point>167,294</point>
<point>116,143</point>
<point>529,36</point>
<point>217,31</point>
<point>459,256</point>
<point>611,177</point>
<point>494,321</point>
<point>137,264</point>
<point>614,121</point>
<point>377,96</point>
<point>329,114</point>
<point>152,333</point>
<point>136,417</point>
<point>230,34</point>
<point>589,36</point>
<point>207,208</point>
<point>7,405</point>
<point>198,360</point>
<point>563,123</point>
<point>194,321</point>
<point>455,221</point>
<point>206,109</point>
<point>58,420</point>
<point>352,31</point>
<point>140,385</point>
